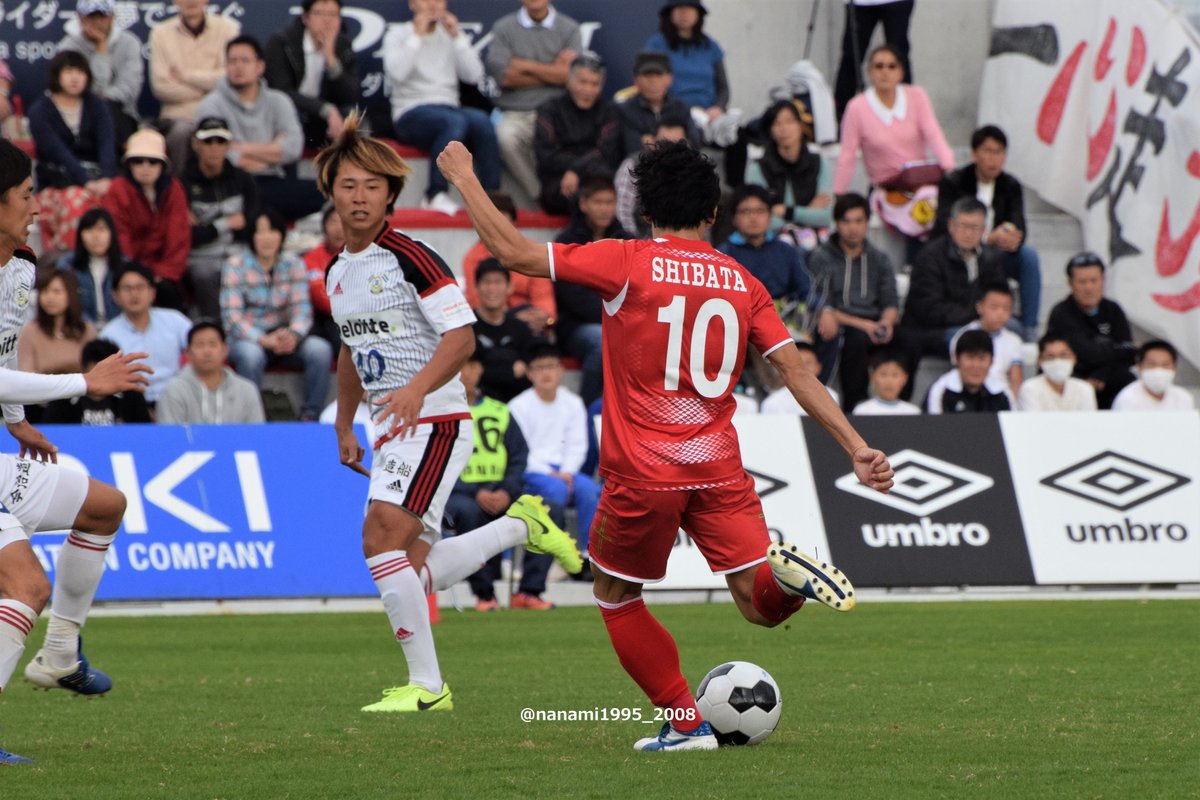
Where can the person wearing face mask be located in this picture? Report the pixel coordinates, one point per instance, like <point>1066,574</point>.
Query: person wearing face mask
<point>1155,388</point>
<point>1054,389</point>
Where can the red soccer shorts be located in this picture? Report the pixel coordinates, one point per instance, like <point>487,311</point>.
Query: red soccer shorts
<point>635,529</point>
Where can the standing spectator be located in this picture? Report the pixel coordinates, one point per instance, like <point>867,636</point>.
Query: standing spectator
<point>316,262</point>
<point>52,342</point>
<point>187,60</point>
<point>578,136</point>
<point>312,60</point>
<point>1096,328</point>
<point>150,209</point>
<point>964,388</point>
<point>116,409</point>
<point>1154,389</point>
<point>862,16</point>
<point>1054,389</point>
<point>532,298</point>
<point>888,378</point>
<point>221,197</point>
<point>858,284</point>
<point>265,308</point>
<point>206,392</point>
<point>671,129</point>
<point>76,149</point>
<point>798,178</point>
<point>986,180</point>
<point>501,340</point>
<point>643,111</point>
<point>267,139</point>
<point>96,260</point>
<point>115,58</point>
<point>698,64</point>
<point>423,61</point>
<point>529,57</point>
<point>994,310</point>
<point>141,328</point>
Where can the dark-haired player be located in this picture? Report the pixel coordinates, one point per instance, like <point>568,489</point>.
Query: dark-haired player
<point>406,332</point>
<point>677,319</point>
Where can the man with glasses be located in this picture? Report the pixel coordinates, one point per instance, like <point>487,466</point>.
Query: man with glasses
<point>221,198</point>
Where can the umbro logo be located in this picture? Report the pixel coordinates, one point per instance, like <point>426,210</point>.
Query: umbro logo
<point>1115,480</point>
<point>923,484</point>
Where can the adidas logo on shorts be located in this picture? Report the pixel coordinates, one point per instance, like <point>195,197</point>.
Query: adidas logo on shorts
<point>395,486</point>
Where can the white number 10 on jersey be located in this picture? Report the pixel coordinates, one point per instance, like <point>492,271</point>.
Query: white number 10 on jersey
<point>673,315</point>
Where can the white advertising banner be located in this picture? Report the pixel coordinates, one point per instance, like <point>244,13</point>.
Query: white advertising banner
<point>774,452</point>
<point>1108,498</point>
<point>1100,100</point>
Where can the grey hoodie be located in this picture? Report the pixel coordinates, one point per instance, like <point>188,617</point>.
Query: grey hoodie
<point>271,114</point>
<point>187,401</point>
<point>863,286</point>
<point>117,75</point>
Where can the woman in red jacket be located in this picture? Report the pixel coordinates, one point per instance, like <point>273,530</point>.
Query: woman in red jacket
<point>150,209</point>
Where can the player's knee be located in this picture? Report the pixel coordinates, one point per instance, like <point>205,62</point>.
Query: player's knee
<point>32,589</point>
<point>104,509</point>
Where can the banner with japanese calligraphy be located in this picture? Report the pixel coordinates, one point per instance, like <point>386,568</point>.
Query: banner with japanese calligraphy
<point>1100,100</point>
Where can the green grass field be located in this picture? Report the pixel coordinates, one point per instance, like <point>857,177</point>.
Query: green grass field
<point>1005,700</point>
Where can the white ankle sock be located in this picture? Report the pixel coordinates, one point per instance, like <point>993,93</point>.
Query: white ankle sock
<point>408,612</point>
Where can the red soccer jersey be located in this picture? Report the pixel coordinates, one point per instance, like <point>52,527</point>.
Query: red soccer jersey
<point>677,317</point>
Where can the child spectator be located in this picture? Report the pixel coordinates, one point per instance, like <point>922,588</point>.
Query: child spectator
<point>888,377</point>
<point>781,400</point>
<point>1055,389</point>
<point>995,310</point>
<point>96,260</point>
<point>963,389</point>
<point>1154,390</point>
<point>150,210</point>
<point>117,409</point>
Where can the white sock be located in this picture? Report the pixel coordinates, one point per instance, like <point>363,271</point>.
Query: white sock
<point>453,559</point>
<point>16,621</point>
<point>77,576</point>
<point>408,612</point>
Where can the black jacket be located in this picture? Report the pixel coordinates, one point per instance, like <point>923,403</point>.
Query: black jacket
<point>285,71</point>
<point>864,286</point>
<point>584,141</point>
<point>939,294</point>
<point>211,200</point>
<point>638,120</point>
<point>802,175</point>
<point>962,401</point>
<point>1008,201</point>
<point>1100,341</point>
<point>500,347</point>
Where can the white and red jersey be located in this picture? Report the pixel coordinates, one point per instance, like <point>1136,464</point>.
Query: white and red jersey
<point>392,303</point>
<point>677,317</point>
<point>18,304</point>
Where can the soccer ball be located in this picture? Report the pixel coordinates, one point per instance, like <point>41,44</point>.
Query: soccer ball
<point>741,701</point>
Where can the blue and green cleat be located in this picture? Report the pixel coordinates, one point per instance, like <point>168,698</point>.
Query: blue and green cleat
<point>804,576</point>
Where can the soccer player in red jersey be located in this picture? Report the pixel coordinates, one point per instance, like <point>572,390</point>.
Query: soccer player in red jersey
<point>678,317</point>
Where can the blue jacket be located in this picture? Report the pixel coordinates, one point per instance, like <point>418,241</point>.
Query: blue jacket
<point>87,290</point>
<point>779,266</point>
<point>60,153</point>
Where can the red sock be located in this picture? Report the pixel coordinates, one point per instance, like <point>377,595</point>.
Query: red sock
<point>648,653</point>
<point>769,599</point>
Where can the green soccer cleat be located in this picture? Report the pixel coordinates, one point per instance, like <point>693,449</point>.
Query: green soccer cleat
<point>412,697</point>
<point>803,575</point>
<point>544,535</point>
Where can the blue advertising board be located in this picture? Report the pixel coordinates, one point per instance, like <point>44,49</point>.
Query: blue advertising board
<point>31,29</point>
<point>223,511</point>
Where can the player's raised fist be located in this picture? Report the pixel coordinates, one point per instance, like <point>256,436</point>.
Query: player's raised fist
<point>872,468</point>
<point>121,372</point>
<point>456,162</point>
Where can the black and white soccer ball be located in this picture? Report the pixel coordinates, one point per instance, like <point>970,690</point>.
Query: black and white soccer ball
<point>741,701</point>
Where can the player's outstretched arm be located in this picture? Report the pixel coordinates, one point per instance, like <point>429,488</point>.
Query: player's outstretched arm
<point>870,465</point>
<point>349,393</point>
<point>117,373</point>
<point>496,231</point>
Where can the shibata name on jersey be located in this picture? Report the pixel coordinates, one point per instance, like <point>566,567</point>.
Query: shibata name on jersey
<point>392,303</point>
<point>677,317</point>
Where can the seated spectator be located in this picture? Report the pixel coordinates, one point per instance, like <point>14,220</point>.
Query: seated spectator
<point>578,136</point>
<point>798,178</point>
<point>312,61</point>
<point>142,328</point>
<point>187,60</point>
<point>530,54</point>
<point>267,138</point>
<point>781,400</point>
<point>501,340</point>
<point>115,58</point>
<point>423,62</point>
<point>554,421</point>
<point>150,210</point>
<point>964,388</point>
<point>698,64</point>
<point>206,392</point>
<point>651,103</point>
<point>1155,388</point>
<point>266,310</point>
<point>220,199</point>
<point>986,180</point>
<point>1054,389</point>
<point>76,149</point>
<point>579,308</point>
<point>856,35</point>
<point>671,129</point>
<point>6,90</point>
<point>316,262</point>
<point>1096,328</point>
<point>492,479</point>
<point>888,379</point>
<point>995,310</point>
<point>533,298</point>
<point>52,342</point>
<point>946,277</point>
<point>96,260</point>
<point>858,285</point>
<point>116,409</point>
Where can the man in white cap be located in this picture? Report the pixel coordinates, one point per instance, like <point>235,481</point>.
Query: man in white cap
<point>115,57</point>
